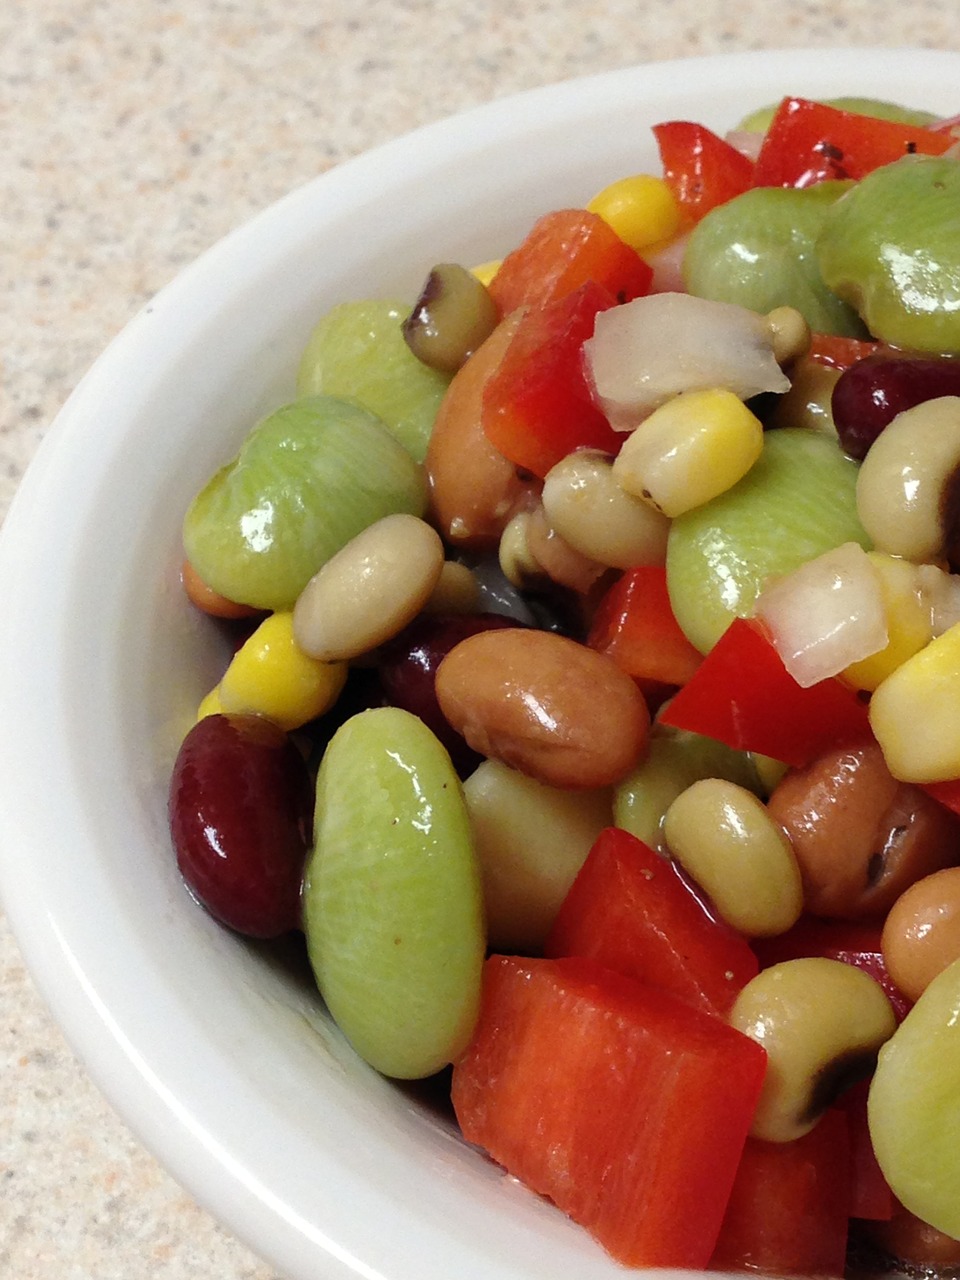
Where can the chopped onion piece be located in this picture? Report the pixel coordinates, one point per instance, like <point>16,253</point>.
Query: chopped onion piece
<point>644,352</point>
<point>826,615</point>
<point>667,266</point>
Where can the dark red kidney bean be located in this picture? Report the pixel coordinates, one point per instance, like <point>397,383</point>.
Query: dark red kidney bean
<point>241,817</point>
<point>408,667</point>
<point>870,394</point>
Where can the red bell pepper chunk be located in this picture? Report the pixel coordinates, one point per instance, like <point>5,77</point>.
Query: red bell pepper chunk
<point>870,1194</point>
<point>839,352</point>
<point>948,793</point>
<point>625,1106</point>
<point>743,695</point>
<point>809,142</point>
<point>635,625</point>
<point>537,405</point>
<point>564,250</point>
<point>855,942</point>
<point>702,169</point>
<point>789,1209</point>
<point>630,910</point>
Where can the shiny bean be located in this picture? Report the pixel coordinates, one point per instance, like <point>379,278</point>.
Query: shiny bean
<point>725,840</point>
<point>452,317</point>
<point>907,482</point>
<point>562,563</point>
<point>517,561</point>
<point>921,934</point>
<point>369,590</point>
<point>532,552</point>
<point>596,516</point>
<point>861,837</point>
<point>545,705</point>
<point>822,1023</point>
<point>474,490</point>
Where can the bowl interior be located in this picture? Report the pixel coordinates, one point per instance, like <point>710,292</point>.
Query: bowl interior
<point>218,1053</point>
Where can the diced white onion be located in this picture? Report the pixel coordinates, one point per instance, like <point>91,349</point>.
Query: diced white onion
<point>644,352</point>
<point>826,615</point>
<point>667,266</point>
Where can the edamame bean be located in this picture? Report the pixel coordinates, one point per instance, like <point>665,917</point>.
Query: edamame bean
<point>392,899</point>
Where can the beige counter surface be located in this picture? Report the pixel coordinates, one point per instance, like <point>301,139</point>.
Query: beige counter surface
<point>133,134</point>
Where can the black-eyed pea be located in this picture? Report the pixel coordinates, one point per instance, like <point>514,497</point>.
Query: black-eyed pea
<point>558,560</point>
<point>822,1023</point>
<point>906,486</point>
<point>921,934</point>
<point>517,562</point>
<point>531,841</point>
<point>554,709</point>
<point>860,836</point>
<point>673,761</point>
<point>369,590</point>
<point>597,517</point>
<point>726,841</point>
<point>452,317</point>
<point>531,551</point>
<point>789,334</point>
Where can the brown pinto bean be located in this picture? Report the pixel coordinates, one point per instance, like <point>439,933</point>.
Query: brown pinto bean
<point>860,836</point>
<point>474,490</point>
<point>921,934</point>
<point>545,705</point>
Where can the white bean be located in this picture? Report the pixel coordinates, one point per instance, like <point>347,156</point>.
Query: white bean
<point>369,590</point>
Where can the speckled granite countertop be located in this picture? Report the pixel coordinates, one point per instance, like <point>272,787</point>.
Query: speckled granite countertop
<point>133,134</point>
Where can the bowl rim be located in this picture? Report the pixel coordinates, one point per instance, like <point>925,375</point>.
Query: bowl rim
<point>42,750</point>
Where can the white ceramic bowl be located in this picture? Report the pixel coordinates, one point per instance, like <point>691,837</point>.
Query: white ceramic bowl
<point>226,1068</point>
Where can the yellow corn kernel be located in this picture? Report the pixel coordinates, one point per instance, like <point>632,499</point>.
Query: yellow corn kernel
<point>210,706</point>
<point>641,209</point>
<point>908,618</point>
<point>694,447</point>
<point>271,676</point>
<point>486,270</point>
<point>915,713</point>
